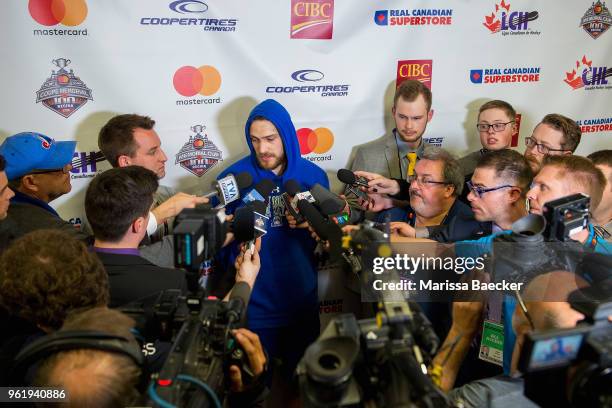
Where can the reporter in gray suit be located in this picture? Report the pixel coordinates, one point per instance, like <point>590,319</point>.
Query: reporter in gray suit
<point>394,155</point>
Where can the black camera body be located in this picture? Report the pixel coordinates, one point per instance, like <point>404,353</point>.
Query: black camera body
<point>202,350</point>
<point>372,362</point>
<point>577,361</point>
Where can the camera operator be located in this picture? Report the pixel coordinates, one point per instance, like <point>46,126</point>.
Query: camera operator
<point>602,216</point>
<point>562,176</point>
<point>44,275</point>
<point>117,204</point>
<point>94,377</point>
<point>505,391</point>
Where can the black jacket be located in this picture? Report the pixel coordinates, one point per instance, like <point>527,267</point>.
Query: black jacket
<point>132,278</point>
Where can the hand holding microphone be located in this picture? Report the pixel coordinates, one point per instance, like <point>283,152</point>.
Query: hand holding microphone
<point>379,184</point>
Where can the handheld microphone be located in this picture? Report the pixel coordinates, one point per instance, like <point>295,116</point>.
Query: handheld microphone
<point>237,304</point>
<point>353,183</point>
<point>250,222</point>
<point>348,177</point>
<point>334,207</point>
<point>292,189</point>
<point>227,189</point>
<point>325,229</point>
<point>261,192</point>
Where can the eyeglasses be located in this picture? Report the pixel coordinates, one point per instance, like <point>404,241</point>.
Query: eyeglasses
<point>425,181</point>
<point>498,127</point>
<point>66,169</point>
<point>480,191</point>
<point>531,142</point>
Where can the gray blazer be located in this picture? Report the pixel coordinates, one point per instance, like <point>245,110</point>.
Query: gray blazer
<point>378,156</point>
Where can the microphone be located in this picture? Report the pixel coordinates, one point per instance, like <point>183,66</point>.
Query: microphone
<point>333,206</point>
<point>353,183</point>
<point>250,222</point>
<point>237,304</point>
<point>325,229</point>
<point>227,189</point>
<point>292,189</point>
<point>260,192</point>
<point>348,177</point>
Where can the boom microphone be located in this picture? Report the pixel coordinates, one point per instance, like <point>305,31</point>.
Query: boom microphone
<point>227,189</point>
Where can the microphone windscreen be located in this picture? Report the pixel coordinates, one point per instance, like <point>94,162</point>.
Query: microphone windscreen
<point>243,180</point>
<point>243,224</point>
<point>346,176</point>
<point>265,187</point>
<point>258,206</point>
<point>331,207</point>
<point>292,187</point>
<point>321,194</point>
<point>314,218</point>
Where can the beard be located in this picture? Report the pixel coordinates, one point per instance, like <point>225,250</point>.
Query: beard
<point>533,163</point>
<point>270,164</point>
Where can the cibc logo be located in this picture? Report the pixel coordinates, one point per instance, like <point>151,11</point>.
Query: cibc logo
<point>313,19</point>
<point>190,81</point>
<point>420,70</point>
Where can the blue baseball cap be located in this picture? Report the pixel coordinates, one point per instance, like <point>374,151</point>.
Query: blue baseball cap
<point>28,151</point>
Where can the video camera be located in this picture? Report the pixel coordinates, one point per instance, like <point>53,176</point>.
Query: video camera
<point>541,244</point>
<point>577,361</point>
<point>379,362</point>
<point>197,326</point>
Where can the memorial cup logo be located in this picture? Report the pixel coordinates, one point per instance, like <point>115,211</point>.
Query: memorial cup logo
<point>63,92</point>
<point>312,19</point>
<point>199,154</point>
<point>52,12</point>
<point>509,22</point>
<point>587,75</point>
<point>421,70</point>
<point>596,20</point>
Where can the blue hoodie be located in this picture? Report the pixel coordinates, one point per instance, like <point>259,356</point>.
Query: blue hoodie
<point>286,286</point>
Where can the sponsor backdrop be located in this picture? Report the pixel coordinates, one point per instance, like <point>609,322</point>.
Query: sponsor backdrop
<point>198,66</point>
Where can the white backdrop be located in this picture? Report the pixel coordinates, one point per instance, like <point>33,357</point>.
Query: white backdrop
<point>126,54</point>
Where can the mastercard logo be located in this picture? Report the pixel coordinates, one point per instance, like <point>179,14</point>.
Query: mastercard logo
<point>318,141</point>
<point>52,12</point>
<point>190,81</point>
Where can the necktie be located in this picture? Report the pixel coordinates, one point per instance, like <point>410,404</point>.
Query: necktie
<point>412,158</point>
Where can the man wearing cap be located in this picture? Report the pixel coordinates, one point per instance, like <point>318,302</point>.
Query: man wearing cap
<point>37,168</point>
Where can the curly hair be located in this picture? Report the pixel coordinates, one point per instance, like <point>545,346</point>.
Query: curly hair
<point>47,274</point>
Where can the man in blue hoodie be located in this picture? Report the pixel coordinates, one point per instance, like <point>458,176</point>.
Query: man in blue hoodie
<point>283,309</point>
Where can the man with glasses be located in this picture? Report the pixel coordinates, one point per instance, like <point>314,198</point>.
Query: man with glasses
<point>495,126</point>
<point>433,190</point>
<point>38,170</point>
<point>555,135</point>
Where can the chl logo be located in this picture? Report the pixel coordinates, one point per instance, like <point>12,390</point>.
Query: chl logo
<point>199,154</point>
<point>421,70</point>
<point>585,74</point>
<point>63,92</point>
<point>596,20</point>
<point>313,19</point>
<point>504,20</point>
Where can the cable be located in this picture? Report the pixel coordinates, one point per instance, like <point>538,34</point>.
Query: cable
<point>156,398</point>
<point>165,404</point>
<point>203,385</point>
